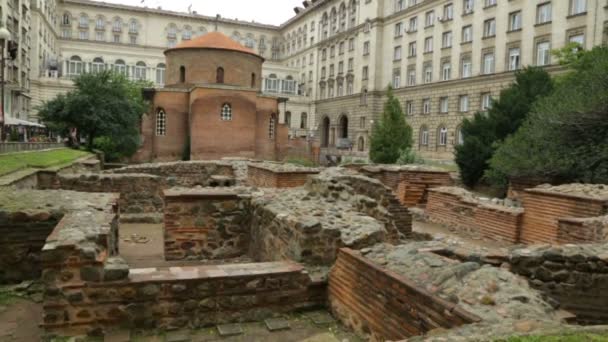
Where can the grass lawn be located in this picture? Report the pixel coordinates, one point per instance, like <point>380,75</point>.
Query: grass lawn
<point>16,161</point>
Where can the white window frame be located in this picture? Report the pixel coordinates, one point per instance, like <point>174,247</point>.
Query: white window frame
<point>543,55</point>
<point>464,103</point>
<point>444,105</point>
<point>544,13</point>
<point>514,58</point>
<point>443,136</point>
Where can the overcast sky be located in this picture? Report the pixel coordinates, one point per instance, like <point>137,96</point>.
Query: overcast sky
<point>262,11</point>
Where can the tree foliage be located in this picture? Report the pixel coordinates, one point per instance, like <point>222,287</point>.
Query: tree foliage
<point>391,134</point>
<point>486,130</point>
<point>565,138</point>
<point>103,105</point>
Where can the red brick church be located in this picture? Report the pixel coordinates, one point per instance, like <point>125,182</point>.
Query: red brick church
<point>211,105</point>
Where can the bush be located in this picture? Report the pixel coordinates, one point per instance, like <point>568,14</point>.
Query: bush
<point>409,156</point>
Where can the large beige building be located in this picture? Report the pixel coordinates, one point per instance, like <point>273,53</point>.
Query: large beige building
<point>334,59</point>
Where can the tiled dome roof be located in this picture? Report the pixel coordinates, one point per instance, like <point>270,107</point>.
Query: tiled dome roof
<point>214,40</point>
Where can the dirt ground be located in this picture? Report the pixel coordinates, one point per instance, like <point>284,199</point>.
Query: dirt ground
<point>19,319</point>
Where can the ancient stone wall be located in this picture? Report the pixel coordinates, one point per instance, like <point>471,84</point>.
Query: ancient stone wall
<point>574,277</point>
<point>546,206</point>
<point>582,230</point>
<point>384,305</point>
<point>459,209</point>
<point>186,174</point>
<point>206,224</point>
<point>278,176</point>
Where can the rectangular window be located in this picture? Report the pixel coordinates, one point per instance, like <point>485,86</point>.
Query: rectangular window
<point>488,63</point>
<point>489,28</point>
<point>429,19</point>
<point>397,53</point>
<point>133,39</point>
<point>543,53</point>
<point>365,73</point>
<point>467,6</point>
<point>515,21</point>
<point>409,108</point>
<point>446,71</point>
<point>428,44</point>
<point>341,48</point>
<point>397,78</point>
<point>514,58</point>
<point>399,5</point>
<point>426,106</point>
<point>413,24</point>
<point>341,67</point>
<point>428,74</point>
<point>398,29</point>
<point>444,105</point>
<point>448,12</point>
<point>366,48</point>
<point>351,62</point>
<point>99,36</point>
<point>467,34</point>
<point>578,38</point>
<point>543,13</point>
<point>446,39</point>
<point>411,77</point>
<point>467,68</point>
<point>464,103</point>
<point>578,7</point>
<point>116,38</point>
<point>486,101</point>
<point>351,44</point>
<point>412,49</point>
<point>489,3</point>
<point>83,35</point>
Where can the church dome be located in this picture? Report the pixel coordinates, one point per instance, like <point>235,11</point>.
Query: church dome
<point>216,41</point>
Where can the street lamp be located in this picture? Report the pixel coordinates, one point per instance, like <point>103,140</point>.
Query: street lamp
<point>4,37</point>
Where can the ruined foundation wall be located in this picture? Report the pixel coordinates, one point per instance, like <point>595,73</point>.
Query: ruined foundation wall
<point>206,224</point>
<point>379,303</point>
<point>267,178</point>
<point>184,174</point>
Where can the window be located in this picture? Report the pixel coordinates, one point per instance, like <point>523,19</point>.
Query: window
<point>464,103</point>
<point>133,39</point>
<point>428,74</point>
<point>578,38</point>
<point>543,13</point>
<point>398,29</point>
<point>446,71</point>
<point>253,80</point>
<point>324,54</point>
<point>219,76</point>
<point>488,63</point>
<point>66,19</point>
<point>489,28</point>
<point>467,67</point>
<point>424,136</point>
<point>116,38</point>
<point>160,74</point>
<point>361,144</point>
<point>332,51</point>
<point>303,121</point>
<point>341,48</point>
<point>83,21</point>
<point>120,67</point>
<point>97,65</point>
<point>486,101</point>
<point>99,36</point>
<point>397,53</point>
<point>514,58</point>
<point>448,12</point>
<point>428,44</point>
<point>83,35</point>
<point>349,86</point>
<point>75,66</point>
<point>459,136</point>
<point>365,73</point>
<point>399,5</point>
<point>288,119</point>
<point>351,44</point>
<point>161,123</point>
<point>100,23</point>
<point>396,78</point>
<point>515,21</point>
<point>443,136</point>
<point>413,24</point>
<point>140,71</point>
<point>351,63</point>
<point>446,39</point>
<point>543,53</point>
<point>578,7</point>
<point>412,49</point>
<point>366,48</point>
<point>467,34</point>
<point>133,26</point>
<point>429,19</point>
<point>409,108</point>
<point>272,126</point>
<point>117,25</point>
<point>411,77</point>
<point>467,6</point>
<point>488,3</point>
<point>444,105</point>
<point>226,113</point>
<point>426,106</point>
<point>187,34</point>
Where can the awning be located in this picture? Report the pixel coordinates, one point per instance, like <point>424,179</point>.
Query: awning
<point>18,122</point>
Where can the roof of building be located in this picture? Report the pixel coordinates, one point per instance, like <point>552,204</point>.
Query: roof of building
<point>214,40</point>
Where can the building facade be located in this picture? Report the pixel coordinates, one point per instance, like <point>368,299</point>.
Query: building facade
<point>333,60</point>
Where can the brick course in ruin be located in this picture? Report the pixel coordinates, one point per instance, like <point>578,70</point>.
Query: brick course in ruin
<point>278,176</point>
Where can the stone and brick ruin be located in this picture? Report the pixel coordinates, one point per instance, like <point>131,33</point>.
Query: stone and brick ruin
<point>247,240</point>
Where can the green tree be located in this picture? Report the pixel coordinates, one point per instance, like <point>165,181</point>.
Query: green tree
<point>565,139</point>
<point>391,135</point>
<point>103,105</point>
<point>486,130</point>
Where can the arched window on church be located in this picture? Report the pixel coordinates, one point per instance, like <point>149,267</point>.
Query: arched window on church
<point>253,80</point>
<point>182,74</point>
<point>219,78</point>
<point>226,113</point>
<point>272,126</point>
<point>161,123</point>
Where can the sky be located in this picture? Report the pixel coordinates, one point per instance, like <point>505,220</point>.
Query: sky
<point>274,12</point>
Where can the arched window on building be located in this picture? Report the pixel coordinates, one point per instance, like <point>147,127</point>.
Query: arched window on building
<point>160,73</point>
<point>226,114</point>
<point>219,77</point>
<point>140,71</point>
<point>187,33</point>
<point>161,123</point>
<point>442,139</point>
<point>133,29</point>
<point>120,67</point>
<point>75,66</point>
<point>343,127</point>
<point>364,97</point>
<point>100,23</point>
<point>304,121</point>
<point>424,136</point>
<point>98,65</point>
<point>459,136</point>
<point>361,144</point>
<point>83,21</point>
<point>182,74</point>
<point>117,25</point>
<point>66,19</point>
<point>253,80</point>
<point>288,119</point>
<point>272,126</point>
